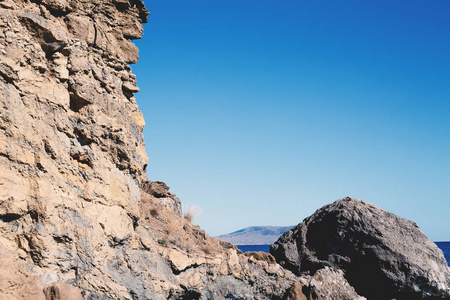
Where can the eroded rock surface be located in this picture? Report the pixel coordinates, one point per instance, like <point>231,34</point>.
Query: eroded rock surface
<point>78,215</point>
<point>382,255</point>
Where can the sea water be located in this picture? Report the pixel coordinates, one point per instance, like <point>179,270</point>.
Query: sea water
<point>444,246</point>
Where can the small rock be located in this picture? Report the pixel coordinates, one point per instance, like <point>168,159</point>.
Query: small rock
<point>49,278</point>
<point>129,87</point>
<point>7,5</point>
<point>295,292</point>
<point>62,291</point>
<point>10,37</point>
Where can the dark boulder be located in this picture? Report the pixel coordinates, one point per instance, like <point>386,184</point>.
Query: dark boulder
<point>382,255</point>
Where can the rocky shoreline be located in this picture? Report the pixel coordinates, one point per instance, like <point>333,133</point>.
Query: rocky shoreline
<point>79,218</point>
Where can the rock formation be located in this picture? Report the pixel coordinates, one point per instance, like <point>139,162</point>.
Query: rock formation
<point>382,255</point>
<point>78,216</point>
<point>77,213</point>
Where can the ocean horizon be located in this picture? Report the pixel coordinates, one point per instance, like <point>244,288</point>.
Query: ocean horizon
<point>444,246</point>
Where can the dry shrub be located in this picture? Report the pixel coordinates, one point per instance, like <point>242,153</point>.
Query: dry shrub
<point>208,249</point>
<point>154,211</point>
<point>163,242</point>
<point>192,212</point>
<point>144,205</point>
<point>145,197</point>
<point>149,206</point>
<point>187,244</point>
<point>172,227</point>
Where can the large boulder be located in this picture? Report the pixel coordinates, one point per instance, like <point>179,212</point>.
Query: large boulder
<point>382,255</point>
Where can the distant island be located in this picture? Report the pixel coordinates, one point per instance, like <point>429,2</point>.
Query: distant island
<point>255,235</point>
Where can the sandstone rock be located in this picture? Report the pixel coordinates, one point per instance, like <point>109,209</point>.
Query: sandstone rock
<point>295,292</point>
<point>82,27</point>
<point>262,256</point>
<point>13,198</point>
<point>16,282</point>
<point>62,291</point>
<point>49,34</point>
<point>383,256</point>
<point>116,224</point>
<point>7,72</point>
<point>7,4</point>
<point>178,260</point>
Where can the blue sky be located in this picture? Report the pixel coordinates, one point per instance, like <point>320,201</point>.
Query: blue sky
<point>261,112</point>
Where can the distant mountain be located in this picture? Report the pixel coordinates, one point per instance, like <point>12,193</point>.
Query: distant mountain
<point>255,235</point>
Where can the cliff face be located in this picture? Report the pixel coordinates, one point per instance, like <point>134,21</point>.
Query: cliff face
<point>72,151</point>
<point>76,209</point>
<point>78,217</point>
<point>70,126</point>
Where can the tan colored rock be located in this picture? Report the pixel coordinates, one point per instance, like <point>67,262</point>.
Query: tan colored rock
<point>16,283</point>
<point>13,193</point>
<point>82,27</point>
<point>58,5</point>
<point>62,291</point>
<point>261,256</point>
<point>7,4</point>
<point>60,66</point>
<point>116,224</point>
<point>234,259</point>
<point>78,63</point>
<point>178,260</point>
<point>296,292</point>
<point>128,86</point>
<point>50,35</point>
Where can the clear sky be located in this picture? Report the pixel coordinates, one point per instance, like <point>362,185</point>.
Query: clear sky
<point>261,112</point>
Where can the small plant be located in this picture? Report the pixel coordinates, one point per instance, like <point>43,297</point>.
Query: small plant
<point>191,212</point>
<point>208,249</point>
<point>171,228</point>
<point>154,211</point>
<point>163,242</point>
<point>145,197</point>
<point>186,243</point>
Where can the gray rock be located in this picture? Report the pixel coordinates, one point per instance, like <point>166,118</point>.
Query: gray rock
<point>382,255</point>
<point>330,284</point>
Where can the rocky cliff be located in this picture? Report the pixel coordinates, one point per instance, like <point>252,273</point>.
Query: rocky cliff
<point>78,217</point>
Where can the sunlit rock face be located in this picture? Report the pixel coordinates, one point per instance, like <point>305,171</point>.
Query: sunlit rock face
<point>77,213</point>
<point>71,146</point>
<point>383,256</point>
<point>70,128</point>
<point>78,216</point>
